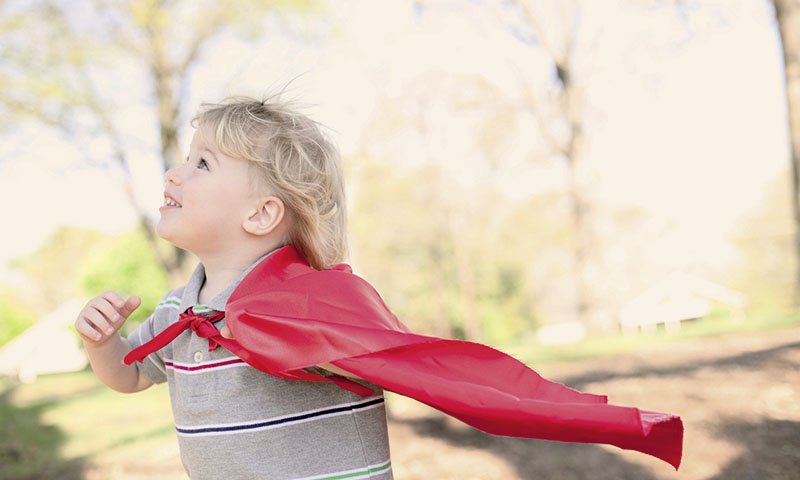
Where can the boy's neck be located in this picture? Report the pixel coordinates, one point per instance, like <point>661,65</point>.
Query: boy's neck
<point>223,267</point>
<point>215,282</point>
<point>221,272</point>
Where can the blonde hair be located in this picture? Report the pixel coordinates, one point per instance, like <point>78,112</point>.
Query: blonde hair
<point>295,161</point>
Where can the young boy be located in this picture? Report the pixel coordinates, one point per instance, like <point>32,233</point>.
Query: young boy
<point>258,176</point>
<point>260,201</point>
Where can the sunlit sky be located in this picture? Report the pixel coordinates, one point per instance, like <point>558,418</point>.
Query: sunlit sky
<point>694,133</point>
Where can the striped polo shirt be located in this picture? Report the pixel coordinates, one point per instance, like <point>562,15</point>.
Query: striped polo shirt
<point>234,422</point>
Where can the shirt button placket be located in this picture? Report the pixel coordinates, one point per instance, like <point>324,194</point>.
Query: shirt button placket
<point>198,357</point>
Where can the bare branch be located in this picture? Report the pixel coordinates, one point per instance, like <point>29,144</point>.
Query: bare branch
<point>213,23</point>
<point>533,22</point>
<point>532,105</point>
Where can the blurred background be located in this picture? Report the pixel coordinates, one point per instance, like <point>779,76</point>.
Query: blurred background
<point>605,189</point>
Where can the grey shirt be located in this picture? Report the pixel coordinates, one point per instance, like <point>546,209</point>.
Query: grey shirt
<point>237,423</point>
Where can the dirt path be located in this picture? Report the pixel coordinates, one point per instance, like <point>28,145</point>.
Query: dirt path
<point>739,397</point>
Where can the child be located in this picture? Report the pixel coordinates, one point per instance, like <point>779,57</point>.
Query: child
<point>280,373</point>
<point>258,176</point>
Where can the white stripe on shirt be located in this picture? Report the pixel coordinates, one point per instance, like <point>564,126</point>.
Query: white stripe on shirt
<point>280,421</point>
<point>205,367</point>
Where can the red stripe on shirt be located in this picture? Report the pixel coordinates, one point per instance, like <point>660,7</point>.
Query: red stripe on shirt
<point>203,367</point>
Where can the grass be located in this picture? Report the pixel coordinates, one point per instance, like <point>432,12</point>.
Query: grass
<point>61,425</point>
<point>596,346</point>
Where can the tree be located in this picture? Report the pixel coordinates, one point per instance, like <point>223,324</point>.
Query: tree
<point>15,315</point>
<point>560,109</point>
<point>415,256</point>
<point>787,16</point>
<point>77,262</point>
<point>567,35</point>
<point>59,50</point>
<point>54,266</point>
<point>764,239</point>
<point>450,234</point>
<point>127,265</point>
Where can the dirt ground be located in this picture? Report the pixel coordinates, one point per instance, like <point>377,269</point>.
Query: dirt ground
<point>739,397</point>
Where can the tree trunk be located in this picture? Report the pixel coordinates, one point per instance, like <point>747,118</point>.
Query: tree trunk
<point>465,278</point>
<point>441,322</point>
<point>581,227</point>
<point>167,115</point>
<point>165,78</point>
<point>787,13</point>
<point>572,109</point>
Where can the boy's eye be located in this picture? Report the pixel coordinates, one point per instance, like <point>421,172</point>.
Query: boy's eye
<point>202,164</point>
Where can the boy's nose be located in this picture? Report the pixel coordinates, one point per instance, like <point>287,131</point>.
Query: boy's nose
<point>172,175</point>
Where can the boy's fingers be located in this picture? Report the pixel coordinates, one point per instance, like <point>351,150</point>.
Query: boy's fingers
<point>114,299</point>
<point>131,304</point>
<point>108,310</point>
<point>88,330</point>
<point>123,307</point>
<point>104,317</point>
<point>226,332</point>
<point>97,325</point>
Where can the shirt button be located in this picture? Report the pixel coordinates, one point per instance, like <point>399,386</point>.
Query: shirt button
<point>198,356</point>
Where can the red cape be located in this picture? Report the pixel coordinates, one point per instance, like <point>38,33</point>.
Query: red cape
<point>287,316</point>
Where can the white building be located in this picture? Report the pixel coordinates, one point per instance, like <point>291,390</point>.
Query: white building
<point>676,298</point>
<point>49,346</point>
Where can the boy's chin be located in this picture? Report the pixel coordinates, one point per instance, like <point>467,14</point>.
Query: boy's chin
<point>162,232</point>
<point>165,234</point>
<point>176,241</point>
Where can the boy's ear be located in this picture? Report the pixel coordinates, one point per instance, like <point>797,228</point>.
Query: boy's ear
<point>266,217</point>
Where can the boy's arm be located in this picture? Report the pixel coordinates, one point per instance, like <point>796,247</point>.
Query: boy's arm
<point>98,324</point>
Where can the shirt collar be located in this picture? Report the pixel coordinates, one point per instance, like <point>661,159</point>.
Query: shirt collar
<point>192,289</point>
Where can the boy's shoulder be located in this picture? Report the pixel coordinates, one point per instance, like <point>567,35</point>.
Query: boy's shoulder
<point>172,297</point>
<point>170,302</point>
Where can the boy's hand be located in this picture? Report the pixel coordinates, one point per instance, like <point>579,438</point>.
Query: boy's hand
<point>103,316</point>
<point>225,332</point>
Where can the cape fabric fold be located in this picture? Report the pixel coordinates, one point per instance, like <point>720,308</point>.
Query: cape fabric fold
<point>287,317</point>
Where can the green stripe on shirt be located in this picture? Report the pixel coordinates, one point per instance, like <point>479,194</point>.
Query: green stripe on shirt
<point>170,301</point>
<point>199,308</point>
<point>351,474</point>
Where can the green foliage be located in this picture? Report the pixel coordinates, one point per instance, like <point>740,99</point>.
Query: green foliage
<point>54,266</point>
<point>78,262</point>
<point>126,265</point>
<point>767,264</point>
<point>15,316</point>
<point>438,255</point>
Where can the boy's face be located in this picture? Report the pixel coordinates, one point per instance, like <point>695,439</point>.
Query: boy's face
<point>206,200</point>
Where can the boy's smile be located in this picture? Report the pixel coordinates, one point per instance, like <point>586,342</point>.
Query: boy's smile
<point>169,201</point>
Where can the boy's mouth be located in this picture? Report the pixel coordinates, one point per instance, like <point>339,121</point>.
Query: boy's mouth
<point>170,202</point>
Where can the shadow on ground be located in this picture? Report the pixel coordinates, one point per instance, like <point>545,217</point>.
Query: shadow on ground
<point>533,459</point>
<point>769,450</point>
<point>30,449</point>
<point>751,360</point>
<point>764,443</point>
